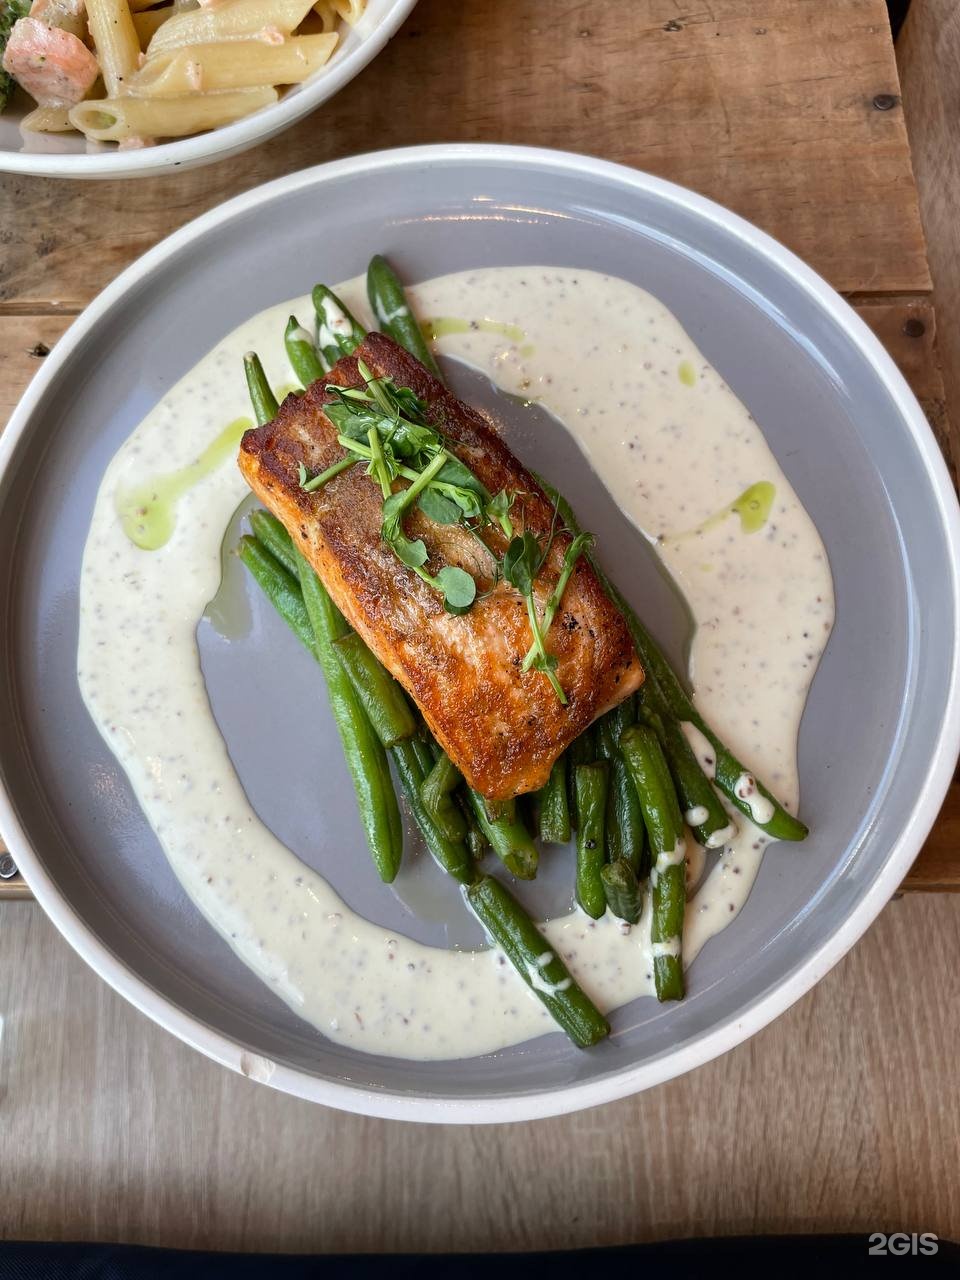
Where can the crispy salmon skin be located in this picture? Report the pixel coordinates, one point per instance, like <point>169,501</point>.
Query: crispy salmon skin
<point>501,726</point>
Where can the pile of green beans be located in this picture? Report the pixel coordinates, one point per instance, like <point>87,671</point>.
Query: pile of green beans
<point>377,724</point>
<point>625,786</point>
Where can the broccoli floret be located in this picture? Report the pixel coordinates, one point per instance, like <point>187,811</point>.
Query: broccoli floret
<point>10,11</point>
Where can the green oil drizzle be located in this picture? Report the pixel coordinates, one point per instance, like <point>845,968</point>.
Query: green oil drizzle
<point>148,513</point>
<point>442,326</point>
<point>753,506</point>
<point>687,373</point>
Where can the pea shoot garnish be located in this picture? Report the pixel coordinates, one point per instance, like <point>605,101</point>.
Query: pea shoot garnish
<point>384,426</point>
<point>521,565</point>
<point>581,543</point>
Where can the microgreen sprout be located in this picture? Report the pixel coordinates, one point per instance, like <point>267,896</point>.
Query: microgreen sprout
<point>521,564</point>
<point>385,427</point>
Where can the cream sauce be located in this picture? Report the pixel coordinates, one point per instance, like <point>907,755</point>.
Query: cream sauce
<point>671,443</point>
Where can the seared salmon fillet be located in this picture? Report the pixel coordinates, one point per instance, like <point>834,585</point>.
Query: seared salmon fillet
<point>501,726</point>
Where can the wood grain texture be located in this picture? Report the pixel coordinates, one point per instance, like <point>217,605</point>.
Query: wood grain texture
<point>111,1129</point>
<point>910,331</point>
<point>765,105</point>
<point>929,56</point>
<point>23,340</point>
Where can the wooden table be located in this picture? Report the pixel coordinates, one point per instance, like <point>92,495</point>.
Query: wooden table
<point>787,111</point>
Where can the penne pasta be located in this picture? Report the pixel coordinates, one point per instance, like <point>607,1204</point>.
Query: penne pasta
<point>148,23</point>
<point>67,15</point>
<point>234,64</point>
<point>46,120</point>
<point>118,48</point>
<point>139,6</point>
<point>268,20</point>
<point>115,119</point>
<point>331,11</point>
<point>349,10</point>
<point>326,13</point>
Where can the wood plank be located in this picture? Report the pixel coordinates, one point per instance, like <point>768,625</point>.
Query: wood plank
<point>112,1130</point>
<point>766,105</point>
<point>909,330</point>
<point>907,327</point>
<point>24,341</point>
<point>929,58</point>
<point>937,870</point>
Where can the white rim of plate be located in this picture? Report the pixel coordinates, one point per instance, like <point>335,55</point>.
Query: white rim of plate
<point>673,1062</point>
<point>229,139</point>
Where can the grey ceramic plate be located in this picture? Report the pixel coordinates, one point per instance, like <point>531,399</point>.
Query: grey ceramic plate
<point>878,739</point>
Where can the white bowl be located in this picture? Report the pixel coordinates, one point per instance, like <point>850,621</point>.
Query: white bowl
<point>69,155</point>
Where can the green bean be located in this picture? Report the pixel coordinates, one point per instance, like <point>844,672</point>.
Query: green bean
<point>301,353</point>
<point>733,779</point>
<point>583,750</point>
<point>658,798</point>
<point>280,588</point>
<point>509,927</point>
<point>628,836</point>
<point>362,749</point>
<point>625,833</point>
<point>477,842</point>
<point>268,530</point>
<point>413,760</point>
<point>389,303</point>
<point>663,684</point>
<point>700,804</point>
<point>380,695</point>
<point>661,813</point>
<point>338,332</point>
<point>554,805</point>
<point>442,780</point>
<point>624,895</point>
<point>261,397</point>
<point>646,855</point>
<point>508,837</point>
<point>591,786</point>
<point>439,800</point>
<point>709,822</point>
